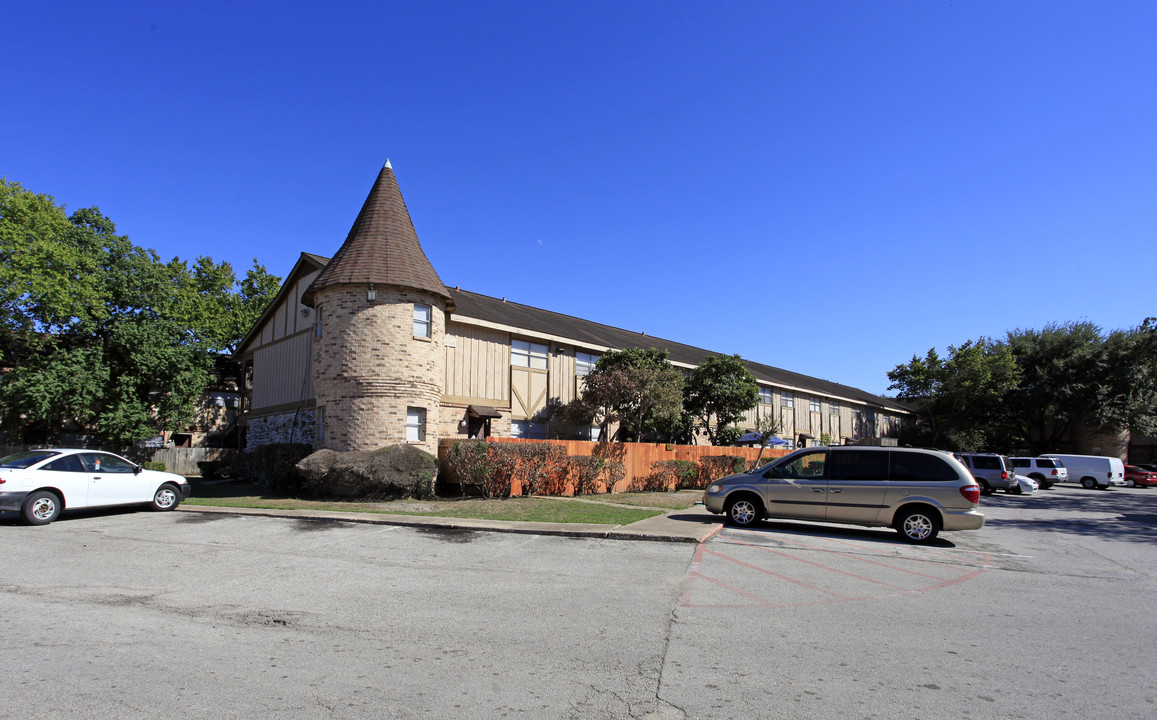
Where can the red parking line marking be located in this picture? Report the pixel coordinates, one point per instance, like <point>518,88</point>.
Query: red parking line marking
<point>873,562</point>
<point>823,567</point>
<point>782,577</point>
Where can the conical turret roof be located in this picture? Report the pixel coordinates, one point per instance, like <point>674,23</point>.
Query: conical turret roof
<point>381,248</point>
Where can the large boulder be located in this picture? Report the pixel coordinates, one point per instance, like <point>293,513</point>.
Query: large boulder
<point>390,472</point>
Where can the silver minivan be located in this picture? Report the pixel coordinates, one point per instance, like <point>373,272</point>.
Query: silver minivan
<point>917,492</point>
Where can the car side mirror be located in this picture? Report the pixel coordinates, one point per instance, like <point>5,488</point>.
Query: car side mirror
<point>137,469</point>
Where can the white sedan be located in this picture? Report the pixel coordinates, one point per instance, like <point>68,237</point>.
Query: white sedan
<point>39,484</point>
<point>1025,485</point>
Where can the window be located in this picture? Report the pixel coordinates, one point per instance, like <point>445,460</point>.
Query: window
<point>527,354</point>
<point>321,426</point>
<point>68,463</point>
<point>528,429</point>
<point>318,325</point>
<point>421,320</point>
<point>1046,463</point>
<point>858,465</point>
<point>1021,463</point>
<point>102,463</point>
<point>833,407</point>
<point>584,363</point>
<point>415,424</point>
<point>813,404</point>
<point>918,466</point>
<point>787,399</point>
<point>807,465</point>
<point>765,396</point>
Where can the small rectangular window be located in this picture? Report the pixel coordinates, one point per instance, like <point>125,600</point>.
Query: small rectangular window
<point>787,399</point>
<point>584,363</point>
<point>415,424</point>
<point>422,320</point>
<point>528,429</point>
<point>528,354</point>
<point>318,324</point>
<point>833,407</point>
<point>765,396</point>
<point>813,404</point>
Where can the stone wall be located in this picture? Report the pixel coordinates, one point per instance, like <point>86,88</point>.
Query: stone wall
<point>300,427</point>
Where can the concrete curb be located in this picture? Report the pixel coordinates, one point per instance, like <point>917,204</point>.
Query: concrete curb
<point>687,526</point>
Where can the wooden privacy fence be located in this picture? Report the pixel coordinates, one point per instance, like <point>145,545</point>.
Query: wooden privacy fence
<point>182,461</point>
<point>638,459</point>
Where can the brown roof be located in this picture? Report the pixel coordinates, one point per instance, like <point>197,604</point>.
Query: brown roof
<point>381,248</point>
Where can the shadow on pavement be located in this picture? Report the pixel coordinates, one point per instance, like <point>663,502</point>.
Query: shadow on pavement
<point>1133,511</point>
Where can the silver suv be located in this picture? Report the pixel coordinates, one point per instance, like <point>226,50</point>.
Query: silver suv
<point>917,492</point>
<point>993,472</point>
<point>1046,471</point>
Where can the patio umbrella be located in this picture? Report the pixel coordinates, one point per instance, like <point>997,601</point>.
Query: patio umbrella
<point>754,437</point>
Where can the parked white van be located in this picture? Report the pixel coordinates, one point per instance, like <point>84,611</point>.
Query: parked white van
<point>1093,471</point>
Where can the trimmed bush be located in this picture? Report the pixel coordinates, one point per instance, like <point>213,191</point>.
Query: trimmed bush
<point>489,467</point>
<point>151,465</point>
<point>669,475</point>
<point>215,469</point>
<point>391,472</point>
<point>584,473</point>
<point>274,465</point>
<point>613,472</point>
<point>713,467</point>
<point>537,464</point>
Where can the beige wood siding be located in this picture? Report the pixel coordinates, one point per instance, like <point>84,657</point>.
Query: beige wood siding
<point>527,392</point>
<point>286,319</point>
<point>563,382</point>
<point>286,372</point>
<point>477,364</point>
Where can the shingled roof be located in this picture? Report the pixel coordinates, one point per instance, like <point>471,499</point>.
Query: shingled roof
<point>514,315</point>
<point>382,248</point>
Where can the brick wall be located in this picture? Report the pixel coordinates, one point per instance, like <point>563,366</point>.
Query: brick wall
<point>369,368</point>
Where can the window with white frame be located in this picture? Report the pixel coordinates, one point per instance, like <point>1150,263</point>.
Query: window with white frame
<point>584,363</point>
<point>765,396</point>
<point>833,407</point>
<point>787,399</point>
<point>813,404</point>
<point>528,429</point>
<point>415,424</point>
<point>528,354</point>
<point>317,324</point>
<point>422,315</point>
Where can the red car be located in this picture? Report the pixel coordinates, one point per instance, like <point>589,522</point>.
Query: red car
<point>1139,477</point>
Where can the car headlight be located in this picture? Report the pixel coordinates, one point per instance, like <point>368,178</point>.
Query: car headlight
<point>713,489</point>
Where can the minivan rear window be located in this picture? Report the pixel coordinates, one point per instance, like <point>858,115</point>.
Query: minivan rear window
<point>919,466</point>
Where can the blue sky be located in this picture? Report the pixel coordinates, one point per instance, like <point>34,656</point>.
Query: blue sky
<point>828,187</point>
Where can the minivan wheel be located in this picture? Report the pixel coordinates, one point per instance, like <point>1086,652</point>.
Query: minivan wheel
<point>742,512</point>
<point>1088,483</point>
<point>985,488</point>
<point>918,526</point>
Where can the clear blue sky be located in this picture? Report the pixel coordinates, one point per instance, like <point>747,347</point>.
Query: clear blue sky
<point>828,187</point>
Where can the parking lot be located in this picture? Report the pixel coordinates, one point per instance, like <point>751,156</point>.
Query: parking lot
<point>1044,613</point>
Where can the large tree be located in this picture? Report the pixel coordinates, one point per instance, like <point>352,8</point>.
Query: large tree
<point>1061,367</point>
<point>718,394</point>
<point>637,390</point>
<point>96,334</point>
<point>959,400</point>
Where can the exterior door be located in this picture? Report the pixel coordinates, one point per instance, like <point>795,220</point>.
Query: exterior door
<point>113,480</point>
<point>798,489</point>
<point>857,485</point>
<point>70,477</point>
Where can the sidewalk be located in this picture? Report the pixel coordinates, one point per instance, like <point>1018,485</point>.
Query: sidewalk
<point>693,525</point>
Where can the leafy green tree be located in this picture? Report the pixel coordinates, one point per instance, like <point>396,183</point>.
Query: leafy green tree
<point>96,334</point>
<point>1061,367</point>
<point>1127,389</point>
<point>637,389</point>
<point>718,394</point>
<point>959,401</point>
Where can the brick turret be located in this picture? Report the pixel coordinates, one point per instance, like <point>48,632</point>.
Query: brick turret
<point>378,353</point>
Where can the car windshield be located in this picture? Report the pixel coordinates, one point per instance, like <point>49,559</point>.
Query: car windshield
<point>28,458</point>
